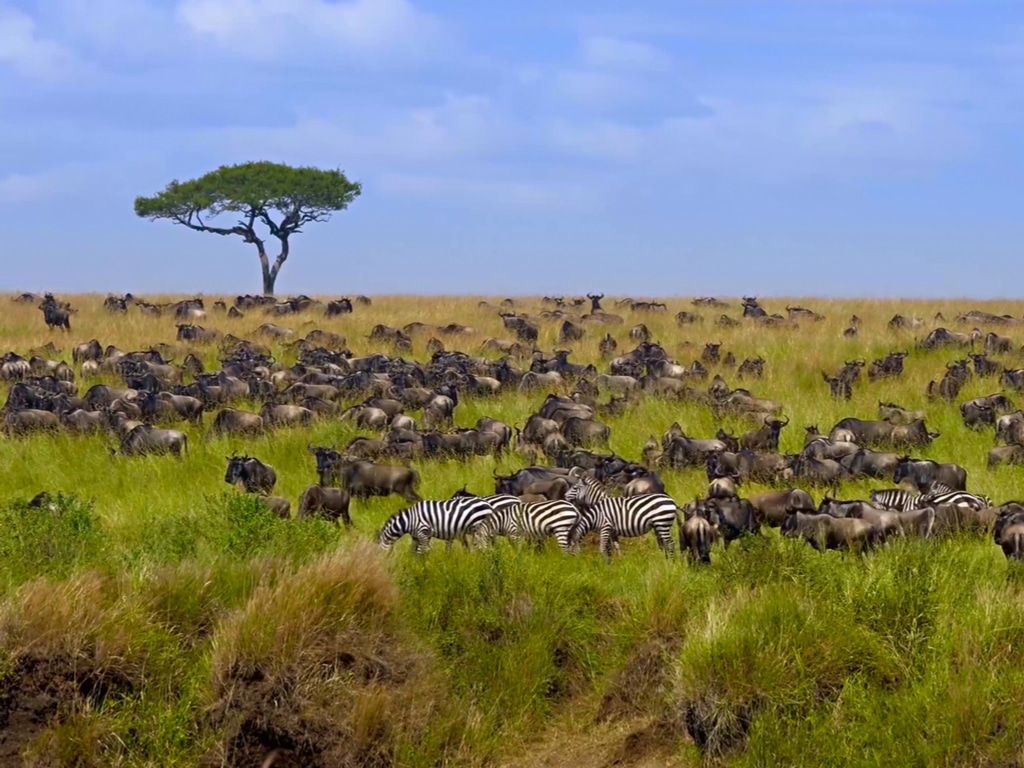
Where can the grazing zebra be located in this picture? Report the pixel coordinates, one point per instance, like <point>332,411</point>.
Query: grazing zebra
<point>451,519</point>
<point>905,501</point>
<point>621,516</point>
<point>537,521</point>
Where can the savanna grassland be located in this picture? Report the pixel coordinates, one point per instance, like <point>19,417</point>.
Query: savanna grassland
<point>161,618</point>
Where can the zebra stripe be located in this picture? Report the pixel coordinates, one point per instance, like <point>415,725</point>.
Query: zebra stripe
<point>905,501</point>
<point>956,498</point>
<point>623,516</point>
<point>536,521</point>
<point>898,499</point>
<point>450,519</point>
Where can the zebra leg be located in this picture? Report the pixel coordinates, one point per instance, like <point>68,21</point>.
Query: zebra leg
<point>605,545</point>
<point>664,537</point>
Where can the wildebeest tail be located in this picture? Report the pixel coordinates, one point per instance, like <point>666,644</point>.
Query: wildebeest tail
<point>1018,546</point>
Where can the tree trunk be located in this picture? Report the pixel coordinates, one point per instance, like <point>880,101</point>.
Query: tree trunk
<point>270,273</point>
<point>269,277</point>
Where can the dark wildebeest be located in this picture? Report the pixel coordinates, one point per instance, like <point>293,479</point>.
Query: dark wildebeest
<point>1005,454</point>
<point>837,387</point>
<point>331,502</point>
<point>731,517</point>
<point>766,438</point>
<point>1009,531</point>
<point>924,473</point>
<point>751,367</point>
<point>696,536</point>
<point>363,479</point>
<point>251,474</point>
<point>145,439</point>
<point>771,507</point>
<point>889,366</point>
<point>338,307</point>
<point>54,314</point>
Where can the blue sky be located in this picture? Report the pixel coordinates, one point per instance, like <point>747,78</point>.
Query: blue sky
<point>656,147</point>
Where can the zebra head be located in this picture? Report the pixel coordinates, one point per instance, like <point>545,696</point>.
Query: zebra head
<point>586,492</point>
<point>394,528</point>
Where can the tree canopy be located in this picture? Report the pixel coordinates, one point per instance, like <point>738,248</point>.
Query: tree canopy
<point>280,198</point>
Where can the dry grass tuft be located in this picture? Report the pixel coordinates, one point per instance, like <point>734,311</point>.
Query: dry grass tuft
<point>316,665</point>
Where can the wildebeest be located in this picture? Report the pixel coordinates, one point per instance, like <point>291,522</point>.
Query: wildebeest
<point>1005,454</point>
<point>924,473</point>
<point>771,507</point>
<point>696,536</point>
<point>55,314</point>
<point>363,479</point>
<point>251,474</point>
<point>144,439</point>
<point>984,367</point>
<point>338,307</point>
<point>889,366</point>
<point>827,532</point>
<point>732,518</point>
<point>234,421</point>
<point>1008,532</point>
<point>751,367</point>
<point>766,438</point>
<point>332,503</point>
<point>897,414</point>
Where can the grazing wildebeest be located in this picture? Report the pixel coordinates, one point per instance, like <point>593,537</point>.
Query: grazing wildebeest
<point>144,439</point>
<point>771,507</point>
<point>332,503</point>
<point>827,532</point>
<point>234,421</point>
<point>251,474</point>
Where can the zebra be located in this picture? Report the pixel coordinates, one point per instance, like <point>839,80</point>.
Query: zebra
<point>905,501</point>
<point>621,516</point>
<point>897,499</point>
<point>451,519</point>
<point>537,521</point>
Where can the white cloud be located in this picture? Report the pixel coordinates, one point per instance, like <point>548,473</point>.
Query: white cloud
<point>261,27</point>
<point>18,188</point>
<point>610,53</point>
<point>22,48</point>
<point>536,193</point>
<point>460,127</point>
<point>590,87</point>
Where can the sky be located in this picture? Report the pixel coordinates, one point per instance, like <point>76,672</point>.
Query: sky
<point>643,148</point>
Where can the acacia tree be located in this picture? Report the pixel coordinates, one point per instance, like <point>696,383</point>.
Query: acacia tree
<point>278,197</point>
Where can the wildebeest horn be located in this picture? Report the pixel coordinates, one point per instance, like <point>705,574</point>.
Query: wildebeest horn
<point>784,423</point>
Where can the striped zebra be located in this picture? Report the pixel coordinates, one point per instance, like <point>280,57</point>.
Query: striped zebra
<point>623,516</point>
<point>458,518</point>
<point>537,521</point>
<point>906,501</point>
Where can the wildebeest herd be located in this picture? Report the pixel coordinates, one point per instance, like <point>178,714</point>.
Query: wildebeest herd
<point>572,484</point>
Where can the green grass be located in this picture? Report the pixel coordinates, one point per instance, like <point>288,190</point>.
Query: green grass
<point>174,621</point>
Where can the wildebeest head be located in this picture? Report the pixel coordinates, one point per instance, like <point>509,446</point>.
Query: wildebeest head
<point>236,469</point>
<point>327,461</point>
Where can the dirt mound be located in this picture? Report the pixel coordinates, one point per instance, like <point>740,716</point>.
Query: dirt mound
<point>639,687</point>
<point>40,693</point>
